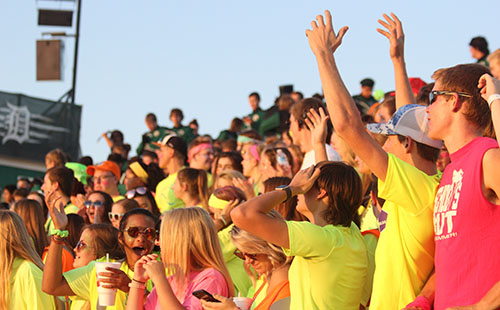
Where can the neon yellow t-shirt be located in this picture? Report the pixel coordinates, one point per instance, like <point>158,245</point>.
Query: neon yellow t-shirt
<point>118,198</point>
<point>369,222</point>
<point>404,257</point>
<point>165,197</point>
<point>26,287</point>
<point>241,280</point>
<point>83,283</point>
<point>49,225</point>
<point>329,268</point>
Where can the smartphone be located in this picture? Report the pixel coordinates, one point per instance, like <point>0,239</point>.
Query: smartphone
<point>202,294</point>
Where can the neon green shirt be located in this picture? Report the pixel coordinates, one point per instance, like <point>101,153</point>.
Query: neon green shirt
<point>165,197</point>
<point>241,280</point>
<point>329,268</point>
<point>404,257</point>
<point>26,287</point>
<point>83,283</point>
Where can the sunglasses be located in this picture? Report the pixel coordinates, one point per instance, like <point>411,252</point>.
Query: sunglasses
<point>81,245</point>
<point>148,233</point>
<point>141,191</point>
<point>243,256</point>
<point>115,216</point>
<point>433,94</point>
<point>96,204</point>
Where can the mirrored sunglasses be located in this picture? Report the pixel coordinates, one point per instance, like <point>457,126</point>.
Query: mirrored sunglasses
<point>148,233</point>
<point>139,191</point>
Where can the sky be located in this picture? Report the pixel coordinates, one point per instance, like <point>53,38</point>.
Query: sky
<point>205,57</point>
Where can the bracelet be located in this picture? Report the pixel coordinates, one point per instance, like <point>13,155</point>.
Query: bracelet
<point>57,239</point>
<point>138,281</point>
<point>493,98</point>
<point>137,285</point>
<point>421,302</point>
<point>60,233</point>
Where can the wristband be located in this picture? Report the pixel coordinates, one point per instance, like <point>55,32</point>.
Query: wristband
<point>135,284</point>
<point>60,233</point>
<point>138,281</point>
<point>421,302</point>
<point>287,190</point>
<point>493,98</point>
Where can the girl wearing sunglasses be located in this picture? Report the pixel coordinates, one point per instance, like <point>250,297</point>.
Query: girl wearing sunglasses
<point>190,250</point>
<point>270,263</point>
<point>97,205</point>
<point>119,209</point>
<point>136,238</point>
<point>145,199</point>
<point>138,174</point>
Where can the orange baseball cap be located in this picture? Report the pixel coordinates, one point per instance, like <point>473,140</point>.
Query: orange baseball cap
<point>108,165</point>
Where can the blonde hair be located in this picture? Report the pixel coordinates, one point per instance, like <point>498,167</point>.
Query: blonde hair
<point>495,56</point>
<point>248,243</point>
<point>31,213</point>
<point>189,242</point>
<point>14,242</point>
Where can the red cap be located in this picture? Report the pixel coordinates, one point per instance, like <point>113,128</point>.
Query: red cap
<point>108,165</point>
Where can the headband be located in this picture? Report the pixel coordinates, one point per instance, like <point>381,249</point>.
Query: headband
<point>139,171</point>
<point>245,139</point>
<point>217,203</point>
<point>254,152</point>
<point>195,150</point>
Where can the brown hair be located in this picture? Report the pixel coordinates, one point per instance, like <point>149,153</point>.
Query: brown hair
<point>464,78</point>
<point>105,240</point>
<point>196,181</point>
<point>32,214</point>
<point>128,204</point>
<point>343,187</point>
<point>287,209</point>
<point>271,153</point>
<point>299,111</point>
<point>64,177</point>
<point>425,151</point>
<point>58,157</point>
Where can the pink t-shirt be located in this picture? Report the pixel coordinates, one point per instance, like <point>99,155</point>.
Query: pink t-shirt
<point>208,279</point>
<point>466,230</point>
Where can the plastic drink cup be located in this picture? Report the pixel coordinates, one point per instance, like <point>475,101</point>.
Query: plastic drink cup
<point>106,295</point>
<point>243,303</point>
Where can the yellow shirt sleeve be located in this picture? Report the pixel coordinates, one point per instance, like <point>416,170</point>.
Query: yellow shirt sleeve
<point>310,241</point>
<point>26,287</point>
<point>79,280</point>
<point>408,186</point>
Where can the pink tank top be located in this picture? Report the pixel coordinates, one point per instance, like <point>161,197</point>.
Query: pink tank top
<point>467,230</point>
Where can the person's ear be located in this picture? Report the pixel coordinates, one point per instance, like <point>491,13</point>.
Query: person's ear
<point>457,103</point>
<point>321,194</point>
<point>408,144</point>
<point>184,187</point>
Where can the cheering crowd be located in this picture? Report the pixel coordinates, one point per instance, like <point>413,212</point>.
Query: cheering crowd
<point>339,202</point>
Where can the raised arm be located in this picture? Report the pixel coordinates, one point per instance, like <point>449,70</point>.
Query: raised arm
<point>253,217</point>
<point>396,36</point>
<point>490,87</point>
<point>341,108</point>
<point>53,282</point>
<point>317,123</point>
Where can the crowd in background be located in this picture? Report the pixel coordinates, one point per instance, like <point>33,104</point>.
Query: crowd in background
<point>372,201</point>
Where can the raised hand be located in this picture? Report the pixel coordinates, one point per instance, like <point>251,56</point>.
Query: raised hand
<point>317,124</point>
<point>322,37</point>
<point>304,180</point>
<point>488,86</point>
<point>56,210</point>
<point>394,33</point>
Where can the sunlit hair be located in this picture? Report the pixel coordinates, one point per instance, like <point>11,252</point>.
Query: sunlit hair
<point>464,78</point>
<point>287,209</point>
<point>189,241</point>
<point>343,188</point>
<point>251,244</point>
<point>196,184</point>
<point>105,241</point>
<point>57,157</point>
<point>228,175</point>
<point>32,215</point>
<point>14,242</point>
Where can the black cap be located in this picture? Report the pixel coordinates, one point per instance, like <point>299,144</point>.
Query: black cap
<point>175,142</point>
<point>367,82</point>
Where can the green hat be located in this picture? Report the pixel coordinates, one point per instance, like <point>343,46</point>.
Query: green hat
<point>80,171</point>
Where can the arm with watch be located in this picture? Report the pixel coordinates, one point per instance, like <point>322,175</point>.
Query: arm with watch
<point>252,215</point>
